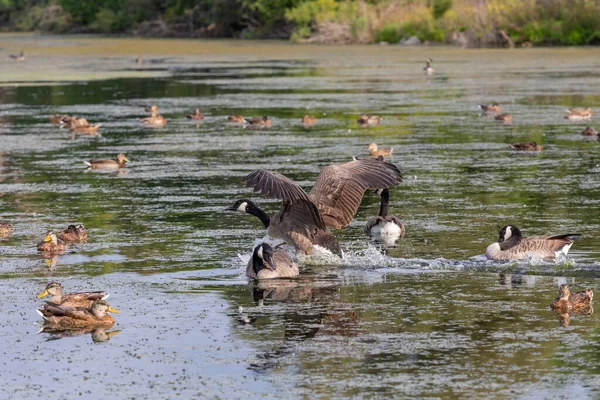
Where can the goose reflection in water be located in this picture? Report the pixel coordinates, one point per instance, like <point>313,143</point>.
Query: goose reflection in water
<point>314,309</point>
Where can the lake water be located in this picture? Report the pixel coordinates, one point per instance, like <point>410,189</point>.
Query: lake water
<point>430,317</point>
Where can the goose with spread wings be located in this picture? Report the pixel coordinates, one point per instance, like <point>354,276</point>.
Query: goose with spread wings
<point>334,199</point>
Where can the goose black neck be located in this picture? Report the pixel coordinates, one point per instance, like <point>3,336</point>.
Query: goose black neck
<point>385,202</point>
<point>257,212</point>
<point>514,240</point>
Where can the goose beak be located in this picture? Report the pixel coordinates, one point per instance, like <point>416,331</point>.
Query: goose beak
<point>43,294</point>
<point>270,263</point>
<point>113,310</point>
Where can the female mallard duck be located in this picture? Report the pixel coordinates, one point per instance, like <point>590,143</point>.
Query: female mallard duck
<point>62,317</point>
<point>589,131</point>
<point>428,69</point>
<point>5,229</point>
<point>196,116</point>
<point>384,224</point>
<point>376,151</point>
<point>368,120</point>
<point>309,120</point>
<point>260,123</point>
<point>577,114</point>
<point>52,244</point>
<point>154,120</point>
<point>505,118</point>
<point>576,301</point>
<point>72,122</point>
<point>267,263</point>
<point>108,164</point>
<point>491,108</point>
<point>512,246</point>
<point>17,57</point>
<point>236,119</point>
<point>531,146</point>
<point>73,233</point>
<point>77,299</point>
<point>57,118</point>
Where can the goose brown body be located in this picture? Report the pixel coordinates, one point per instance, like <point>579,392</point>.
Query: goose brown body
<point>384,224</point>
<point>512,246</point>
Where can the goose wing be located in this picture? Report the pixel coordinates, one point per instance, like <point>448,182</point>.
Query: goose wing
<point>546,245</point>
<point>339,189</point>
<point>298,209</point>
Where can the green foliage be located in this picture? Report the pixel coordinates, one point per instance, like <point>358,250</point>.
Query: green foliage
<point>391,33</point>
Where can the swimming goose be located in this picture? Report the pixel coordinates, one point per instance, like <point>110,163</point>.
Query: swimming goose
<point>384,224</point>
<point>531,146</point>
<point>428,69</point>
<point>589,131</point>
<point>376,151</point>
<point>579,114</point>
<point>267,263</point>
<point>506,118</point>
<point>368,120</point>
<point>491,108</point>
<point>512,246</point>
<point>334,199</point>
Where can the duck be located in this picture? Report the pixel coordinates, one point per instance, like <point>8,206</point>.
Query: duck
<point>62,317</point>
<point>579,114</point>
<point>236,119</point>
<point>506,118</point>
<point>77,299</point>
<point>17,57</point>
<point>73,122</point>
<point>5,229</point>
<point>139,60</point>
<point>196,116</point>
<point>428,69</point>
<point>51,244</point>
<point>368,120</point>
<point>308,120</point>
<point>267,263</point>
<point>262,123</point>
<point>384,224</point>
<point>589,131</point>
<point>73,233</point>
<point>304,219</point>
<point>376,151</point>
<point>155,120</point>
<point>491,108</point>
<point>576,301</point>
<point>57,118</point>
<point>512,246</point>
<point>108,164</point>
<point>531,146</point>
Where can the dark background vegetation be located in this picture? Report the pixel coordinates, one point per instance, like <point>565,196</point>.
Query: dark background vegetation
<point>464,22</point>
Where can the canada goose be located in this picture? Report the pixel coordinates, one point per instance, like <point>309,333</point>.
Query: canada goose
<point>236,119</point>
<point>108,164</point>
<point>5,229</point>
<point>491,108</point>
<point>51,244</point>
<point>336,195</point>
<point>512,246</point>
<point>589,131</point>
<point>77,299</point>
<point>73,233</point>
<point>196,116</point>
<point>267,263</point>
<point>505,118</point>
<point>579,114</point>
<point>376,151</point>
<point>368,120</point>
<point>531,146</point>
<point>384,224</point>
<point>428,69</point>
<point>260,123</point>
<point>17,57</point>
<point>576,301</point>
<point>309,120</point>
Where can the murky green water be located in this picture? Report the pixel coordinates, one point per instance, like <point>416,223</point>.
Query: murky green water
<point>430,318</point>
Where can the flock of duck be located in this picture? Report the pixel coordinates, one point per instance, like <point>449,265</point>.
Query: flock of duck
<point>304,221</point>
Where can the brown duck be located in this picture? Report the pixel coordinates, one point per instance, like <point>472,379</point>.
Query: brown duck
<point>5,229</point>
<point>531,146</point>
<point>62,317</point>
<point>77,299</point>
<point>51,244</point>
<point>260,123</point>
<point>368,120</point>
<point>376,151</point>
<point>512,246</point>
<point>576,301</point>
<point>236,119</point>
<point>505,118</point>
<point>589,131</point>
<point>309,120</point>
<point>491,108</point>
<point>73,234</point>
<point>196,116</point>
<point>108,164</point>
<point>576,114</point>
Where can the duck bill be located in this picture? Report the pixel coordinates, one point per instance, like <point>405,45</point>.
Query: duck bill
<point>113,310</point>
<point>43,294</point>
<point>48,238</point>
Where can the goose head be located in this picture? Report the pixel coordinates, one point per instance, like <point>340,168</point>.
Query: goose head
<point>509,236</point>
<point>242,205</point>
<point>263,258</point>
